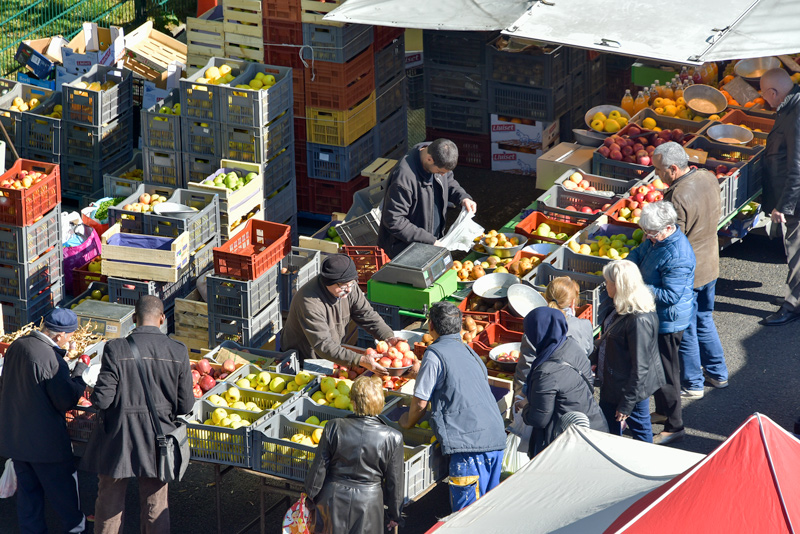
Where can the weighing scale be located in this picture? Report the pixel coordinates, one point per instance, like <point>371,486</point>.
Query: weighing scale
<point>419,265</point>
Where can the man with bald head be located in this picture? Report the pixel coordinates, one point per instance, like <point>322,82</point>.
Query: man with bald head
<point>781,197</point>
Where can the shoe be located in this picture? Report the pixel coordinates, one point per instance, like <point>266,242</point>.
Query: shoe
<point>777,301</point>
<point>714,383</point>
<point>657,418</point>
<point>665,438</point>
<point>692,393</point>
<point>780,318</point>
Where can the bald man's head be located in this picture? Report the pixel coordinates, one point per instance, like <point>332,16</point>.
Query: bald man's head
<point>776,84</point>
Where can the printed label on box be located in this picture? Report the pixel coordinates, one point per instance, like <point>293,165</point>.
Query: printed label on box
<point>523,130</point>
<point>413,59</point>
<point>517,158</point>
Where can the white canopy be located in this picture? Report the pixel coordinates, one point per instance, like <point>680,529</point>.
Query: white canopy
<point>579,485</point>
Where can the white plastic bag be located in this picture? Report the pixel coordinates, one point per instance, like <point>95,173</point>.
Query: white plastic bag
<point>521,430</point>
<point>513,460</point>
<point>462,234</point>
<point>8,482</point>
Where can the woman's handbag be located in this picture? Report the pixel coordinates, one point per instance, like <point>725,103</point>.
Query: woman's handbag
<point>172,448</point>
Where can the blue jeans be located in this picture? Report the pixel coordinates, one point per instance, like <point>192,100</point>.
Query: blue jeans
<point>58,483</point>
<point>472,474</point>
<point>700,346</point>
<point>638,421</point>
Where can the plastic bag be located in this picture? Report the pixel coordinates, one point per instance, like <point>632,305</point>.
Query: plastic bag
<point>8,482</point>
<point>461,235</point>
<point>521,430</point>
<point>513,459</point>
<point>298,518</point>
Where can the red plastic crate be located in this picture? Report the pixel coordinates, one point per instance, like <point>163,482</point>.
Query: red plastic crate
<point>82,277</point>
<point>494,333</point>
<point>252,251</point>
<point>473,150</point>
<point>529,224</point>
<point>489,317</point>
<point>384,35</point>
<point>329,196</point>
<point>526,254</point>
<point>283,56</point>
<point>282,32</point>
<point>368,261</point>
<point>284,10</point>
<point>300,135</point>
<point>340,86</point>
<point>613,213</point>
<point>22,207</point>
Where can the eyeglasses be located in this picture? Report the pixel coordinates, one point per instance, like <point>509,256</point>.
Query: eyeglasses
<point>347,286</point>
<point>652,235</point>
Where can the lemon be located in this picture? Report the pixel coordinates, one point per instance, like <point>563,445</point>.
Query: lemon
<point>714,117</point>
<point>212,73</point>
<point>224,69</point>
<point>649,123</point>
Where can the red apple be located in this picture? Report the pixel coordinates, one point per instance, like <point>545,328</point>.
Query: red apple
<point>616,155</point>
<point>370,352</point>
<point>650,149</point>
<point>571,208</point>
<point>643,160</point>
<point>643,189</point>
<point>385,361</point>
<point>639,197</point>
<point>632,204</point>
<point>587,209</point>
<point>407,362</point>
<point>608,141</point>
<point>638,147</point>
<point>629,159</point>
<point>403,346</point>
<point>615,146</point>
<point>677,135</point>
<point>397,363</point>
<point>627,151</point>
<point>206,383</point>
<point>228,366</point>
<point>381,347</point>
<point>604,151</point>
<point>721,168</point>
<point>223,376</point>
<point>659,141</point>
<point>636,213</point>
<point>606,206</point>
<point>633,131</point>
<point>651,196</point>
<point>195,377</point>
<point>204,366</point>
<point>198,392</point>
<point>590,189</point>
<point>665,134</point>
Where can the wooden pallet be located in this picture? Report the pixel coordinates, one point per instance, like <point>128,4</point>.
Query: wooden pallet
<point>153,49</point>
<point>197,348</point>
<point>379,170</point>
<point>243,17</point>
<point>314,10</point>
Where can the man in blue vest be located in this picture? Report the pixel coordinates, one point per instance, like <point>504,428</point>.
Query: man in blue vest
<point>464,412</point>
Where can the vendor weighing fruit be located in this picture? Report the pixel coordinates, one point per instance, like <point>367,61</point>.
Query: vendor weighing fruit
<point>322,309</point>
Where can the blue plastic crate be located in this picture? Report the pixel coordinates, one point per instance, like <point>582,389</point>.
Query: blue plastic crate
<point>390,63</point>
<point>283,205</point>
<point>257,145</point>
<point>337,44</point>
<point>393,131</point>
<point>278,170</point>
<point>341,164</point>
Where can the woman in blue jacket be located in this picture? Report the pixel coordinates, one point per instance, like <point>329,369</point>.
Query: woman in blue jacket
<point>667,263</point>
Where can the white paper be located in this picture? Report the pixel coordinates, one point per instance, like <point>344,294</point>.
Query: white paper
<point>462,234</point>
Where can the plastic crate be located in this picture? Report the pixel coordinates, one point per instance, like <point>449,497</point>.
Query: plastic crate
<point>456,48</point>
<point>81,422</point>
<point>17,313</point>
<point>203,258</point>
<point>341,164</point>
<point>25,244</point>
<point>98,143</point>
<point>493,334</point>
<point>553,203</point>
<point>255,331</point>
<point>362,230</point>
<point>568,260</point>
<point>336,44</point>
<point>256,108</point>
<point>390,61</point>
<point>456,82</point>
<point>228,297</point>
<point>397,152</point>
<point>613,213</point>
<point>461,115</point>
<point>12,120</point>
<point>592,292</point>
<point>200,137</point>
<point>529,224</point>
<point>621,170</point>
<point>23,207</point>
<point>340,86</point>
<point>257,145</point>
<point>161,130</point>
<point>528,102</point>
<point>82,277</point>
<point>301,265</point>
<point>24,281</point>
<point>368,260</point>
<point>328,196</point>
<point>415,88</point>
<point>98,107</point>
<point>202,226</point>
<point>198,167</point>
<point>277,456</point>
<point>383,36</point>
<point>134,221</point>
<point>128,292</point>
<point>669,123</point>
<point>253,251</point>
<point>81,178</point>
<point>114,185</point>
<point>601,183</point>
<point>391,97</point>
<point>392,131</point>
<point>39,133</point>
<point>473,150</point>
<point>283,205</point>
<point>201,100</point>
<point>282,30</point>
<point>214,444</point>
<point>532,67</point>
<point>741,118</point>
<point>366,199</point>
<point>341,128</point>
<point>747,159</point>
<point>233,205</point>
<point>163,167</point>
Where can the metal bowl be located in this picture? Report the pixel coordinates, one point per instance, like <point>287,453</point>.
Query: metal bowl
<point>398,371</point>
<point>543,248</point>
<point>500,349</point>
<point>605,109</point>
<point>523,299</point>
<point>727,133</point>
<point>409,335</point>
<point>752,69</point>
<point>707,93</point>
<point>588,137</point>
<point>503,252</point>
<point>494,286</point>
<point>173,209</point>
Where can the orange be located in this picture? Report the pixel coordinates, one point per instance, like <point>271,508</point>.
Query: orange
<point>759,100</point>
<point>733,102</point>
<point>725,93</point>
<point>726,79</point>
<point>750,104</point>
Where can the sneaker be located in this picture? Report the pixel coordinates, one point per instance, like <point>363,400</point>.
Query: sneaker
<point>714,383</point>
<point>692,393</point>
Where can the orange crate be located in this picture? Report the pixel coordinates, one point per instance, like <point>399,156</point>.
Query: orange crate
<point>489,317</point>
<point>368,261</point>
<point>252,251</point>
<point>740,118</point>
<point>613,213</point>
<point>494,333</point>
<point>82,277</point>
<point>283,10</point>
<point>23,207</point>
<point>526,254</point>
<point>340,86</point>
<point>528,226</point>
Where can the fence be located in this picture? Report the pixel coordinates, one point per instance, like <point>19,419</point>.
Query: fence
<point>34,19</point>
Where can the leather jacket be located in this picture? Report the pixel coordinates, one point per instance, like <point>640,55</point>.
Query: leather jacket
<point>632,368</point>
<point>357,468</point>
<point>782,159</point>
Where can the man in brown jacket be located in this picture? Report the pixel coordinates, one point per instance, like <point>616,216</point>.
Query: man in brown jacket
<point>695,195</point>
<point>321,311</point>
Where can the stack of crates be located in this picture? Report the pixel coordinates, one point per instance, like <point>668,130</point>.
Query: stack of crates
<point>390,90</point>
<point>243,25</point>
<point>161,142</point>
<point>30,244</point>
<point>456,91</point>
<point>205,38</point>
<point>97,128</point>
<point>12,95</point>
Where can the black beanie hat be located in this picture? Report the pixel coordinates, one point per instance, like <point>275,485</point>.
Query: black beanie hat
<point>338,269</point>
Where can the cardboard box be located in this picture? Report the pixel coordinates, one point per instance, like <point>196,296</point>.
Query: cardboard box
<point>40,56</point>
<point>32,80</point>
<point>559,160</point>
<point>93,46</point>
<point>523,130</point>
<point>516,159</point>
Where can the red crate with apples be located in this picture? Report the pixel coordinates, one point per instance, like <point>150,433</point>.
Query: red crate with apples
<point>474,307</point>
<point>29,190</point>
<point>368,261</point>
<point>494,335</point>
<point>560,204</point>
<point>532,227</point>
<point>83,276</point>
<point>205,375</point>
<point>627,210</point>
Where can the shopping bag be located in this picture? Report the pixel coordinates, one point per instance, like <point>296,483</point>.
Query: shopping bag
<point>8,482</point>
<point>79,255</point>
<point>298,518</point>
<point>521,430</point>
<point>513,460</point>
<point>461,235</point>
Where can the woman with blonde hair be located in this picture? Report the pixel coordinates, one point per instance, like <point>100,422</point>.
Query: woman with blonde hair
<point>628,359</point>
<point>357,468</point>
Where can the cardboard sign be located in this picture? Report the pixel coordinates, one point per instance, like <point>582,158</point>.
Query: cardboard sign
<point>696,156</point>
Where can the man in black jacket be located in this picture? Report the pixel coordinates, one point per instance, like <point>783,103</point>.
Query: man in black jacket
<point>419,190</point>
<point>781,197</point>
<point>36,391</point>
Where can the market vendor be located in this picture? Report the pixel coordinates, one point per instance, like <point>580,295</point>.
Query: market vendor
<point>419,190</point>
<point>321,311</point>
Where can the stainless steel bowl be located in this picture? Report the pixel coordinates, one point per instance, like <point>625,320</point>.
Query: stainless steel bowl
<point>523,299</point>
<point>707,93</point>
<point>494,286</point>
<point>503,252</point>
<point>752,69</point>
<point>588,137</point>
<point>730,133</point>
<point>605,109</point>
<point>500,349</point>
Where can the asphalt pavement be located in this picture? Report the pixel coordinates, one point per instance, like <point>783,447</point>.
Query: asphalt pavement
<point>763,365</point>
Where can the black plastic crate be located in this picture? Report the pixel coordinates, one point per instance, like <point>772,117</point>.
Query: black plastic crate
<point>283,205</point>
<point>24,244</point>
<point>128,292</point>
<point>17,313</point>
<point>415,88</point>
<point>392,131</point>
<point>464,49</point>
<point>24,281</point>
<point>390,63</point>
<point>460,115</point>
<point>301,266</point>
<point>577,58</point>
<point>390,98</point>
<point>98,143</point>
<point>531,67</point>
<point>252,332</point>
<point>163,167</point>
<point>228,297</point>
<point>468,83</point>
<point>81,177</point>
<point>337,44</point>
<point>527,102</point>
<point>38,133</point>
<point>341,164</point>
<point>162,130</point>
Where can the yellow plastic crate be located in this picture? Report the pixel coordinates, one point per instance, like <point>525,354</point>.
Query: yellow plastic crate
<point>341,128</point>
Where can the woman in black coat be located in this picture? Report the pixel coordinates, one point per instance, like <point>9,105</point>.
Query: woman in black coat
<point>559,380</point>
<point>628,357</point>
<point>357,468</point>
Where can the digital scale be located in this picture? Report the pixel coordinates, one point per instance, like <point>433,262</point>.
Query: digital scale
<point>419,265</point>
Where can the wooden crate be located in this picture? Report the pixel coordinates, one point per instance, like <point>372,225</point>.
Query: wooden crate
<point>191,317</point>
<point>244,47</point>
<point>236,204</point>
<point>150,52</point>
<point>197,348</point>
<point>379,170</point>
<point>205,37</point>
<point>243,17</point>
<point>144,263</point>
<point>314,10</point>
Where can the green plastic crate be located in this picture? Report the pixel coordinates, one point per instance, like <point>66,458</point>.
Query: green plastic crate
<point>412,298</point>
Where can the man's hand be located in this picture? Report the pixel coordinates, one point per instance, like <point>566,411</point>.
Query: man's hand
<point>392,341</point>
<point>391,525</point>
<point>414,371</point>
<point>437,243</point>
<point>469,205</point>
<point>777,217</point>
<point>368,362</point>
<point>620,417</point>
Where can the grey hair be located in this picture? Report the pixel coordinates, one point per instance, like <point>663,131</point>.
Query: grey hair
<point>672,153</point>
<point>656,216</point>
<point>444,153</point>
<point>632,295</point>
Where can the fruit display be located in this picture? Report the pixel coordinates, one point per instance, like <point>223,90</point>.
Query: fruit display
<point>135,174</point>
<point>232,398</point>
<point>205,375</point>
<point>508,357</point>
<point>544,230</point>
<point>55,114</point>
<point>93,86</point>
<point>496,239</point>
<point>612,123</point>
<point>260,81</point>
<point>758,102</point>
<point>335,393</point>
<point>146,204</point>
<point>469,271</point>
<point>23,180</point>
<point>576,182</point>
<point>217,75</point>
<point>97,294</point>
<point>477,304</point>
<point>470,329</point>
<point>231,181</point>
<point>396,356</point>
<point>341,371</point>
<point>333,235</point>
<point>18,104</point>
<point>274,383</point>
<point>175,109</point>
<point>225,418</point>
<point>614,247</point>
<point>523,266</point>
<point>637,145</point>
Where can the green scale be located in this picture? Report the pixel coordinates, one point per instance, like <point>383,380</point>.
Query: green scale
<point>415,278</point>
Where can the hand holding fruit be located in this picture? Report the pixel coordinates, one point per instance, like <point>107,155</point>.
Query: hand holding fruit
<point>369,362</point>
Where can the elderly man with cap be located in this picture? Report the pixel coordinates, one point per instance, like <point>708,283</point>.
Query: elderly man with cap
<point>321,311</point>
<point>36,390</point>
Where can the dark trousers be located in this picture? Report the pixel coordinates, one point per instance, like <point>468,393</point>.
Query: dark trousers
<point>791,243</point>
<point>668,398</point>
<point>58,481</point>
<point>109,508</point>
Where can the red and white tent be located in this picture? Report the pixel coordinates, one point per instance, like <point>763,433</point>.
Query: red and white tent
<point>750,483</point>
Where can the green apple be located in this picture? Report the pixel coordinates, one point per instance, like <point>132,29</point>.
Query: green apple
<point>313,420</point>
<point>218,415</point>
<point>332,232</point>
<point>278,384</point>
<point>249,177</point>
<point>302,378</point>
<point>243,383</point>
<point>264,378</point>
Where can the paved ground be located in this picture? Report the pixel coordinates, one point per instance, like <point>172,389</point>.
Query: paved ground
<point>763,363</point>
